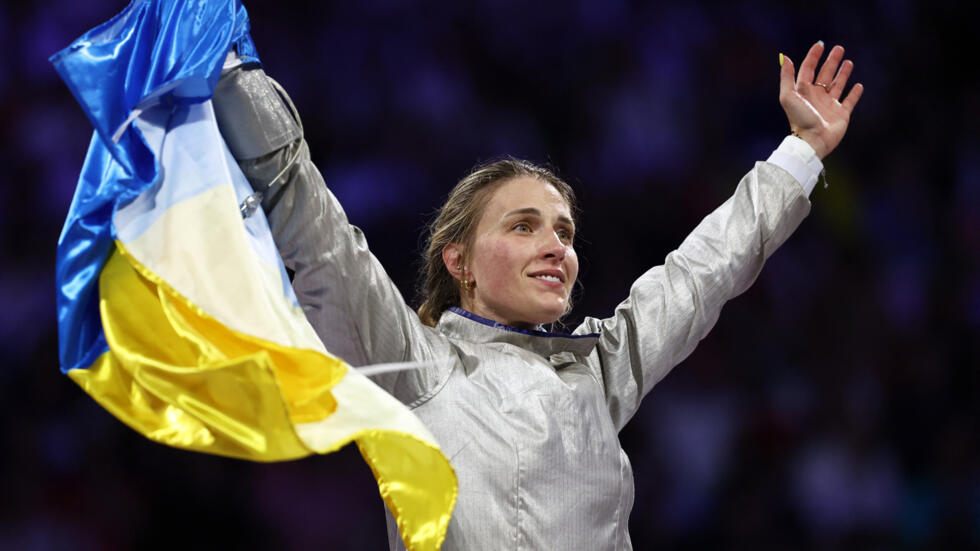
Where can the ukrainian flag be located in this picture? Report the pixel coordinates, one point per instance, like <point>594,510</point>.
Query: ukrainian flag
<point>175,312</point>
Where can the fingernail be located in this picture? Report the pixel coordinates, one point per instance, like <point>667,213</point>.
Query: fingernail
<point>782,59</point>
<point>820,42</point>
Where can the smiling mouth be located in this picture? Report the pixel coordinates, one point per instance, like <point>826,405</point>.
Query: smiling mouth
<point>555,279</point>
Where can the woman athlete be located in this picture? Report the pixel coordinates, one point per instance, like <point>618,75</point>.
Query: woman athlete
<point>528,418</point>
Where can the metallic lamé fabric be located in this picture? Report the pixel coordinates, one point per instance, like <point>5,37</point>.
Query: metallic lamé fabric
<point>529,420</point>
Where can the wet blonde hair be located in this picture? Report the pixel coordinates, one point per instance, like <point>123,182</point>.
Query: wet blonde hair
<point>457,220</point>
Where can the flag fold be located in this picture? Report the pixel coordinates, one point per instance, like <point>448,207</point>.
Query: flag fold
<point>175,313</point>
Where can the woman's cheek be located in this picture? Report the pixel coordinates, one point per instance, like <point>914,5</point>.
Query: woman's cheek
<point>501,266</point>
<point>572,272</point>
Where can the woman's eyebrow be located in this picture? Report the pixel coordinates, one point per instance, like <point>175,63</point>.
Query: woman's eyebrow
<point>535,212</point>
<point>525,210</point>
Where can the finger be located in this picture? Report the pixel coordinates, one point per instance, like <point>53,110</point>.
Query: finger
<point>809,65</point>
<point>829,67</point>
<point>840,81</point>
<point>787,80</point>
<point>852,98</point>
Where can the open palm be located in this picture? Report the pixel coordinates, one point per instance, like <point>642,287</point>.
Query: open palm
<point>812,104</point>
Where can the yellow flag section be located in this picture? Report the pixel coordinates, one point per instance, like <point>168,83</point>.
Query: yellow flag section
<point>209,351</point>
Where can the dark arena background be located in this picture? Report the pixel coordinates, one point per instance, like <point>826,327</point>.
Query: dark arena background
<point>830,408</point>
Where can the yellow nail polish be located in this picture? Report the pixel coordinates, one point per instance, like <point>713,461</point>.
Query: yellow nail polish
<point>782,59</point>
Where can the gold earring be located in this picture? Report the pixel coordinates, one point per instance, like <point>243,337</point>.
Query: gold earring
<point>466,284</point>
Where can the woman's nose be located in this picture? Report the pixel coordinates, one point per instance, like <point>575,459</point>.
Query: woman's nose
<point>553,246</point>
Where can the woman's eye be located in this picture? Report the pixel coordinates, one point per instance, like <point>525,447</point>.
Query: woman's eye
<point>565,234</point>
<point>522,227</point>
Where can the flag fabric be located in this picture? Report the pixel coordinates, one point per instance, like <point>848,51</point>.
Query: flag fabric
<point>175,313</point>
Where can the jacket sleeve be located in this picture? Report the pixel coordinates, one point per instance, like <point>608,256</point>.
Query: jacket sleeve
<point>351,302</point>
<point>671,307</point>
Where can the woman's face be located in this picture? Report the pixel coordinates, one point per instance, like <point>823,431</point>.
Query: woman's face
<point>522,260</point>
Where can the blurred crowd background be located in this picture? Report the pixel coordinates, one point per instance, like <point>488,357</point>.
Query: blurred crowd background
<point>830,408</point>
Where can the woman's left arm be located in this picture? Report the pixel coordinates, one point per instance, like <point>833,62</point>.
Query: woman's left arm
<point>672,307</point>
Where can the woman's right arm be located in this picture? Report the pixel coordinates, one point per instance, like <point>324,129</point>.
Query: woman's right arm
<point>351,302</point>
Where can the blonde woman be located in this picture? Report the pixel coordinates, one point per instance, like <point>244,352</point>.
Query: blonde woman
<point>529,419</point>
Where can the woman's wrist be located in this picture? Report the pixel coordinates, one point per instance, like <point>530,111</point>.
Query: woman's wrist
<point>815,141</point>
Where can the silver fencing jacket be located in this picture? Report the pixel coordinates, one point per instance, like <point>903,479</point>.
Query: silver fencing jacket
<point>528,419</point>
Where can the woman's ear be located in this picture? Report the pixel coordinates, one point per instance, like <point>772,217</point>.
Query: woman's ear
<point>452,257</point>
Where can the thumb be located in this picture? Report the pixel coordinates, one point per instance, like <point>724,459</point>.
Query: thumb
<point>787,77</point>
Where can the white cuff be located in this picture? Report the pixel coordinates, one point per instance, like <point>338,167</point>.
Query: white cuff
<point>799,159</point>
